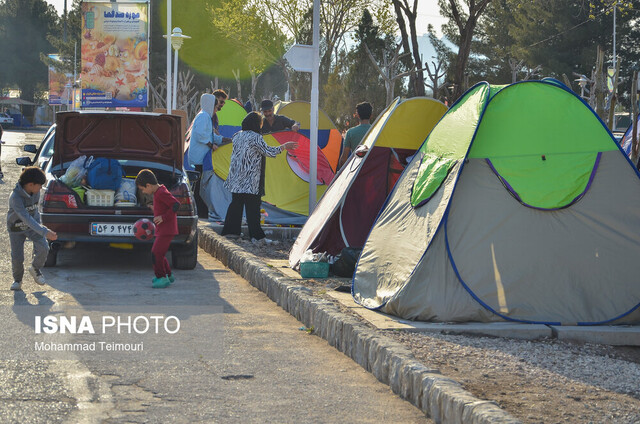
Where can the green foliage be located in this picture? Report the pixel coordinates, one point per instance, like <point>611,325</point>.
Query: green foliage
<point>536,36</point>
<point>561,37</point>
<point>494,42</point>
<point>364,82</point>
<point>71,48</point>
<point>24,27</point>
<point>354,79</point>
<point>261,42</point>
<point>208,51</point>
<point>336,102</point>
<point>384,16</point>
<point>461,30</point>
<point>622,6</point>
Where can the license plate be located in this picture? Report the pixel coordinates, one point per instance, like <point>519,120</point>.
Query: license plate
<point>110,229</point>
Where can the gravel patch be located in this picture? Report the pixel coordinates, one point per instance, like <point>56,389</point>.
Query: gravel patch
<point>542,381</point>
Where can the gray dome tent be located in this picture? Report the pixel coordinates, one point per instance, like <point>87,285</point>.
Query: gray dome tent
<point>519,206</point>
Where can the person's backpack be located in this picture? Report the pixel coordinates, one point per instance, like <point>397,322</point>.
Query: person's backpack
<point>105,174</point>
<point>345,265</point>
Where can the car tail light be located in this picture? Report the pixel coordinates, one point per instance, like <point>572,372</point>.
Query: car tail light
<point>59,196</point>
<point>182,195</point>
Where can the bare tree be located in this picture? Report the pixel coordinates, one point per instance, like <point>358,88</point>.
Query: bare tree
<point>434,76</point>
<point>410,42</point>
<point>521,67</point>
<point>186,99</point>
<point>158,98</point>
<point>389,70</point>
<point>255,76</point>
<point>532,72</point>
<point>515,68</point>
<point>613,98</point>
<point>236,75</point>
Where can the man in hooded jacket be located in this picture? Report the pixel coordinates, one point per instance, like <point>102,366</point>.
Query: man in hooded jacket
<point>203,140</point>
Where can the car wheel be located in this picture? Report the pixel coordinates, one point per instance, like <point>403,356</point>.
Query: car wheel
<point>185,257</point>
<point>52,257</point>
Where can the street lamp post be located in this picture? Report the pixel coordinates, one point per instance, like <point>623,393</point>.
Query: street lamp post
<point>582,81</point>
<point>305,58</point>
<point>177,38</point>
<point>168,56</point>
<point>176,41</point>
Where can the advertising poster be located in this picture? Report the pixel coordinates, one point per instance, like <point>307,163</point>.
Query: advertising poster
<point>115,59</point>
<point>59,83</point>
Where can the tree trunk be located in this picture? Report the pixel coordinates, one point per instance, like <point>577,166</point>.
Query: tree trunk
<point>254,84</point>
<point>418,77</point>
<point>614,98</point>
<point>466,35</point>
<point>236,75</point>
<point>600,84</point>
<point>406,59</point>
<point>461,62</point>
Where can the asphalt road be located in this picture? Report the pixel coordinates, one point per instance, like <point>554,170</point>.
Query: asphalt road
<point>239,357</point>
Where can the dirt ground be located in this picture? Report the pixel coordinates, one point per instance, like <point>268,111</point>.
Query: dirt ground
<point>542,381</point>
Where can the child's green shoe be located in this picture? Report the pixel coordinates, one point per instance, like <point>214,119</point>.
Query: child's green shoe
<point>160,283</point>
<point>171,278</point>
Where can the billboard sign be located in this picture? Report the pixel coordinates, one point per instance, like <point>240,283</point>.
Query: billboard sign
<point>115,54</point>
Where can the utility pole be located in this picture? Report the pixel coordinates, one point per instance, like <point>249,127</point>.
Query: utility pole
<point>315,76</point>
<point>304,58</point>
<point>64,34</point>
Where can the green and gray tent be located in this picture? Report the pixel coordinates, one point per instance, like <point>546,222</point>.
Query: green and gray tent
<point>519,206</point>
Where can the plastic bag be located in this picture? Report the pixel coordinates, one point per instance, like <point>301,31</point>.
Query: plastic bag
<point>345,264</point>
<point>307,256</point>
<point>127,192</point>
<point>76,172</point>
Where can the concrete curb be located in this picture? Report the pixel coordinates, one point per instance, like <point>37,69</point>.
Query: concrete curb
<point>441,398</point>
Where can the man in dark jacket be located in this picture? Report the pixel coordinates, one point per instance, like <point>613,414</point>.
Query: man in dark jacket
<point>273,122</point>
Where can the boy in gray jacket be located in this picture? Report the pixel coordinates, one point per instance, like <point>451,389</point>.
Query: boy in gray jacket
<point>23,222</point>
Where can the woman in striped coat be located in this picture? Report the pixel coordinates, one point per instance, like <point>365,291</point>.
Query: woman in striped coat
<point>245,180</point>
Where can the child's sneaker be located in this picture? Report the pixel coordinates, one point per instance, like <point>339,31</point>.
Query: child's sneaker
<point>17,285</point>
<point>37,276</point>
<point>160,283</point>
<point>171,278</point>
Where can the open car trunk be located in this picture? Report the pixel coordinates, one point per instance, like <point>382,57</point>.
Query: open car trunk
<point>171,179</point>
<point>150,137</point>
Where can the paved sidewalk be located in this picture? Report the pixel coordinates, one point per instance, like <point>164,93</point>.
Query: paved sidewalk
<point>438,396</point>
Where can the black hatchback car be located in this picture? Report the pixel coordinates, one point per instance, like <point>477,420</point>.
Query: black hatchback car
<point>137,141</point>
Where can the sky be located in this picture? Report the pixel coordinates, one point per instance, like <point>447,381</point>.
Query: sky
<point>428,13</point>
